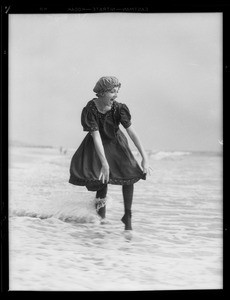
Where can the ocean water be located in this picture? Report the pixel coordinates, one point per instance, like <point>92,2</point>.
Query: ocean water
<point>56,241</point>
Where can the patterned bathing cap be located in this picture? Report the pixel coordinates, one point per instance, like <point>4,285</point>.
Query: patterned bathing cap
<point>106,83</point>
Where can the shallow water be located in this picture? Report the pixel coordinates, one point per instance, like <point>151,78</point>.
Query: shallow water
<point>56,241</point>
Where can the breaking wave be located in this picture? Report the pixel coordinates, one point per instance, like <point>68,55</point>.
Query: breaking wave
<point>169,154</point>
<point>70,211</point>
<point>80,217</point>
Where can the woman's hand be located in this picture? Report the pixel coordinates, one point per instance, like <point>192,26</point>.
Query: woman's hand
<point>145,166</point>
<point>104,175</point>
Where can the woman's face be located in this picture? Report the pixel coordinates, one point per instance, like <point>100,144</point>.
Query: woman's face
<point>111,95</point>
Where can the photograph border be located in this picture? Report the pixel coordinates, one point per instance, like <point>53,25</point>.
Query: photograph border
<point>193,7</point>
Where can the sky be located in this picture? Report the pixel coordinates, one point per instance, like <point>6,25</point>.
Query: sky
<point>169,66</point>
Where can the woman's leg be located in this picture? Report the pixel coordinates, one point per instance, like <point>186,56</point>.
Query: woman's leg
<point>127,191</point>
<point>101,194</point>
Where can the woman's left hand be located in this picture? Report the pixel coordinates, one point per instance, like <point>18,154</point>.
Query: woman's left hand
<point>145,166</point>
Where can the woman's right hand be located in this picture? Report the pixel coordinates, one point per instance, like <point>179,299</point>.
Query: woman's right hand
<point>145,166</point>
<point>104,175</point>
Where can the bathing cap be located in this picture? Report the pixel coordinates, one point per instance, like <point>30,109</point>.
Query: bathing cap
<point>106,83</point>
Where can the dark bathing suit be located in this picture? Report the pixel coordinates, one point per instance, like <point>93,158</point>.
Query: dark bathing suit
<point>85,165</point>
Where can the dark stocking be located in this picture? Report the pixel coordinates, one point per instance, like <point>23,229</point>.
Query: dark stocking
<point>101,194</point>
<point>127,191</point>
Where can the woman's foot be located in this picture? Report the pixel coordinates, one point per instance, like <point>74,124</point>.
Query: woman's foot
<point>101,212</point>
<point>100,205</point>
<point>126,219</point>
<point>104,221</point>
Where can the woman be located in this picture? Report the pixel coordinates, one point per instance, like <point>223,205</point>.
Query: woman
<point>104,156</point>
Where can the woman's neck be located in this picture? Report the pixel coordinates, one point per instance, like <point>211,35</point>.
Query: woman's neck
<point>101,105</point>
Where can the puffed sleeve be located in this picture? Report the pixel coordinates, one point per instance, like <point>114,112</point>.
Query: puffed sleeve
<point>88,120</point>
<point>125,116</point>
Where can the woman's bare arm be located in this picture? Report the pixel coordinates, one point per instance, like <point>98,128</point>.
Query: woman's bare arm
<point>136,140</point>
<point>104,175</point>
